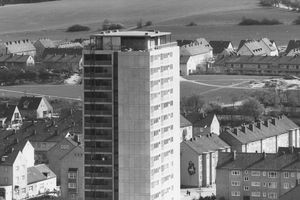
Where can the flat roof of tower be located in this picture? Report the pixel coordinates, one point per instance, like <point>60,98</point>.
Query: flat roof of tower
<point>113,33</point>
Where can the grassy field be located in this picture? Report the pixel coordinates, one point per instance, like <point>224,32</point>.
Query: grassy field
<point>217,93</point>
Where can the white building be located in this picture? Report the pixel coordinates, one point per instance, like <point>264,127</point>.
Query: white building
<point>195,56</point>
<point>132,120</point>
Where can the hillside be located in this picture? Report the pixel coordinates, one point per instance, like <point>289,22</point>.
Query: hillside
<point>59,14</point>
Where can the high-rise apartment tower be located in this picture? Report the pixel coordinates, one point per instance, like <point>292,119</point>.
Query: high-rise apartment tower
<point>131,116</point>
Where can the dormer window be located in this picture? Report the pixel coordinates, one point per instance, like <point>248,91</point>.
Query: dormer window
<point>25,104</point>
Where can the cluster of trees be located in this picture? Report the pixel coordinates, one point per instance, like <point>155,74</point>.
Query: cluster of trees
<point>3,2</point>
<point>17,76</point>
<point>265,21</point>
<point>292,4</point>
<point>77,28</point>
<point>108,25</point>
<point>141,24</point>
<point>251,107</point>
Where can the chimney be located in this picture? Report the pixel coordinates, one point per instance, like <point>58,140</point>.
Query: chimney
<point>235,131</point>
<point>258,124</point>
<point>234,155</point>
<point>244,128</point>
<point>251,126</point>
<point>266,123</point>
<point>273,121</point>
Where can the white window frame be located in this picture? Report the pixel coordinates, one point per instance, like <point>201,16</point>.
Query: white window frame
<point>235,193</point>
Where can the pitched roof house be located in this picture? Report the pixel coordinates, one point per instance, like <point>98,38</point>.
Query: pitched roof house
<point>263,136</point>
<point>16,60</point>
<point>21,47</point>
<point>260,47</point>
<point>42,44</point>
<point>186,129</point>
<point>293,44</point>
<point>202,154</point>
<point>35,107</point>
<point>221,47</point>
<point>194,56</point>
<point>204,123</point>
<point>10,116</point>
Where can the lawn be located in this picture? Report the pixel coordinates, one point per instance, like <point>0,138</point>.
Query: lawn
<point>69,92</point>
<point>217,93</point>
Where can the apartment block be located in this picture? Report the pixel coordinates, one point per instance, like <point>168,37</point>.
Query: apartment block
<point>131,116</point>
<point>260,176</point>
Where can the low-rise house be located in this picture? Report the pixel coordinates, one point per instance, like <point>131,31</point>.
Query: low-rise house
<point>20,47</point>
<point>204,123</point>
<point>263,136</point>
<point>243,176</point>
<point>294,52</point>
<point>66,160</point>
<point>293,44</point>
<point>10,116</point>
<point>262,47</point>
<point>61,51</point>
<point>69,63</point>
<point>259,65</point>
<point>198,160</point>
<point>186,129</point>
<point>19,178</point>
<point>222,48</point>
<point>68,45</point>
<point>19,61</point>
<point>43,44</point>
<point>195,56</point>
<point>35,107</point>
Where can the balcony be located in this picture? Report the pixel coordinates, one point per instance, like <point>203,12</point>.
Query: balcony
<point>99,187</point>
<point>98,162</point>
<point>98,175</point>
<point>94,112</point>
<point>99,150</point>
<point>97,100</point>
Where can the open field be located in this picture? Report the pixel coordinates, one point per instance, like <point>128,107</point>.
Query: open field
<point>219,88</point>
<point>68,92</point>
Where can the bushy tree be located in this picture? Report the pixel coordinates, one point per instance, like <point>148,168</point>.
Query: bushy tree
<point>190,104</point>
<point>252,107</point>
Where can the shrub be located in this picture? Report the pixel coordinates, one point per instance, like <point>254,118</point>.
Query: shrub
<point>265,21</point>
<point>267,3</point>
<point>297,21</point>
<point>107,25</point>
<point>148,23</point>
<point>77,28</point>
<point>191,24</point>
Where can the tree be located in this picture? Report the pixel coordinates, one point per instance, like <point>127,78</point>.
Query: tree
<point>212,107</point>
<point>190,104</point>
<point>252,107</point>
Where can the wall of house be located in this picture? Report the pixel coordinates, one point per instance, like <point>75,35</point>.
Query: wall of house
<point>44,107</point>
<point>16,120</point>
<point>269,145</point>
<point>186,133</point>
<point>187,155</point>
<point>253,147</point>
<point>28,152</point>
<point>233,142</point>
<point>183,69</point>
<point>244,51</point>
<point>222,186</point>
<point>30,61</point>
<point>8,192</point>
<point>200,60</point>
<point>206,163</point>
<point>43,146</point>
<point>20,176</point>
<point>74,159</point>
<point>6,175</point>
<point>215,126</point>
<point>282,140</point>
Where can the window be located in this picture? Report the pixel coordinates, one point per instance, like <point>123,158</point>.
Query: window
<point>235,173</point>
<point>272,195</point>
<point>235,183</point>
<point>246,188</point>
<point>255,184</point>
<point>246,178</point>
<point>265,184</point>
<point>255,194</point>
<point>30,188</point>
<point>264,194</point>
<point>17,168</point>
<point>246,172</point>
<point>5,179</point>
<point>292,174</point>
<point>72,175</point>
<point>255,173</point>
<point>286,175</point>
<point>272,185</point>
<point>272,174</point>
<point>23,190</point>
<point>16,115</point>
<point>23,177</point>
<point>264,173</point>
<point>286,186</point>
<point>71,185</point>
<point>235,193</point>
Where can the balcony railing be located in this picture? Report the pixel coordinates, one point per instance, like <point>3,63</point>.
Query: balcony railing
<point>103,149</point>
